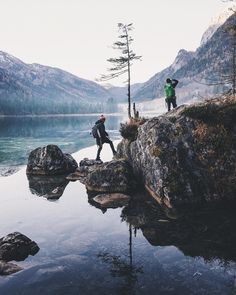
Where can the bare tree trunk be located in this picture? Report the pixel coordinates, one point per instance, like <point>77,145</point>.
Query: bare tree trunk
<point>129,92</point>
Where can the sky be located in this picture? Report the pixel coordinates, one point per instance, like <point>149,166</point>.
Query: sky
<point>77,35</point>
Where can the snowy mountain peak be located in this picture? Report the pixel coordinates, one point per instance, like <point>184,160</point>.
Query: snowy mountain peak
<point>216,22</point>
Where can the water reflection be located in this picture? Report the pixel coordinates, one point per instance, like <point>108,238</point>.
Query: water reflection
<point>50,187</point>
<point>207,232</point>
<point>123,269</point>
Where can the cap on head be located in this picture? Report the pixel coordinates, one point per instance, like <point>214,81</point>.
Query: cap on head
<point>103,118</point>
<point>168,80</point>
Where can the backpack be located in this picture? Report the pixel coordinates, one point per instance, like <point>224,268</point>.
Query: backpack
<point>169,90</point>
<point>94,131</point>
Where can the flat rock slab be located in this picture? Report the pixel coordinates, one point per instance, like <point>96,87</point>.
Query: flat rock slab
<point>112,200</point>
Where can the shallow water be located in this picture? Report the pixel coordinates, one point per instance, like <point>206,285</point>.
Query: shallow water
<point>137,249</point>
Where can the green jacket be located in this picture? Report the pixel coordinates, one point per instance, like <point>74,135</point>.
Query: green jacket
<point>169,90</point>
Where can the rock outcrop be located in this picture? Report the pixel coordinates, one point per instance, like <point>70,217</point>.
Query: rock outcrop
<point>15,246</point>
<point>187,155</point>
<point>50,160</point>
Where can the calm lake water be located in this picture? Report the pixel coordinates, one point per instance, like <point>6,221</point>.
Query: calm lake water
<point>84,249</point>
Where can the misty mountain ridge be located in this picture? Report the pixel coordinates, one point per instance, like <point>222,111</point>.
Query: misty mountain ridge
<point>37,89</point>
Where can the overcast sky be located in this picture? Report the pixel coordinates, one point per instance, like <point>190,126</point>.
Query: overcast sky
<point>76,35</point>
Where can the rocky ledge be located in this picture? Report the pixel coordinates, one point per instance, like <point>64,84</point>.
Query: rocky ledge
<point>188,155</point>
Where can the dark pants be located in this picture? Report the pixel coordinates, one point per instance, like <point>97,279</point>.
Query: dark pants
<point>100,142</point>
<point>169,101</point>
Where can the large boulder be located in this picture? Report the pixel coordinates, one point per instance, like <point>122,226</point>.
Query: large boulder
<point>187,155</point>
<point>115,176</point>
<point>112,177</point>
<point>50,160</point>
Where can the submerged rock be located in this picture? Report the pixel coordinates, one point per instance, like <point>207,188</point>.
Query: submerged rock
<point>15,246</point>
<point>7,171</point>
<point>8,268</point>
<point>112,200</point>
<point>187,155</point>
<point>50,160</point>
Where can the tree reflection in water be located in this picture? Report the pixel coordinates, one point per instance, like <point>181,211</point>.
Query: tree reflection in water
<point>123,268</point>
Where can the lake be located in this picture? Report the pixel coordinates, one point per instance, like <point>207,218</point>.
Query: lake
<point>84,249</point>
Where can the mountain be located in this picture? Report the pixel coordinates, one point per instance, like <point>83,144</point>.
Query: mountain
<point>196,70</point>
<point>36,89</point>
<point>216,22</point>
<point>120,93</point>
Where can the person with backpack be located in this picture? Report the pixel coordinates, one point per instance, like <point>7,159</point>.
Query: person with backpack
<point>101,136</point>
<point>170,92</point>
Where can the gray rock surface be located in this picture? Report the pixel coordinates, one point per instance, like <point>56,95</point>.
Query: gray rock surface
<point>115,176</point>
<point>50,160</point>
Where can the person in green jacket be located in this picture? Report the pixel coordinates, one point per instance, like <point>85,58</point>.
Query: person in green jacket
<point>170,92</point>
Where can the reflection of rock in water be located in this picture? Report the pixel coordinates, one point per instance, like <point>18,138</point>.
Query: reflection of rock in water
<point>208,232</point>
<point>15,246</point>
<point>50,187</point>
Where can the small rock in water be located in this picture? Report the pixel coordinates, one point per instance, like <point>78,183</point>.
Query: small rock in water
<point>7,171</point>
<point>112,200</point>
<point>16,246</point>
<point>8,268</point>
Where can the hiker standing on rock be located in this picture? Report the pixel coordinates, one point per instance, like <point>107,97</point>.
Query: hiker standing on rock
<point>99,132</point>
<point>170,92</point>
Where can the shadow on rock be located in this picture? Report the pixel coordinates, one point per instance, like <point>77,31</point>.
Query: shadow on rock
<point>15,246</point>
<point>50,187</point>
